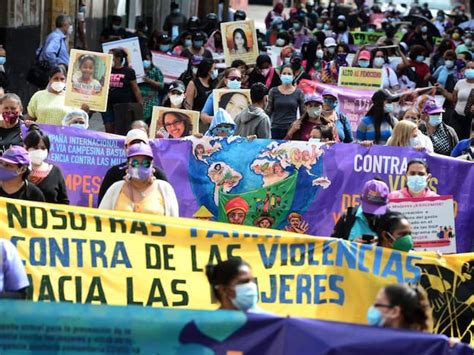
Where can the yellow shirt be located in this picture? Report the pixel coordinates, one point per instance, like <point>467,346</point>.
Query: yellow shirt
<point>152,202</point>
<point>48,108</point>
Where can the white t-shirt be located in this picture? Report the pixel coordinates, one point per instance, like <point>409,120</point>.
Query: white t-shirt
<point>464,89</point>
<point>389,78</point>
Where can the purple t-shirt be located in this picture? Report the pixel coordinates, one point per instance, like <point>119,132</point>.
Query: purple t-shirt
<point>12,272</point>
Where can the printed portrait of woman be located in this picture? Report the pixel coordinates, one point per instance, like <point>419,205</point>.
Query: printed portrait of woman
<point>89,72</point>
<point>234,103</point>
<point>177,124</point>
<point>240,42</point>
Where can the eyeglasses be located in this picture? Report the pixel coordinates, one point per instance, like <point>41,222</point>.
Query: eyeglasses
<point>231,78</point>
<point>145,163</point>
<point>173,124</point>
<point>382,305</point>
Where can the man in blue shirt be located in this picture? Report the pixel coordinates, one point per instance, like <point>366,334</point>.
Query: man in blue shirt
<point>55,50</point>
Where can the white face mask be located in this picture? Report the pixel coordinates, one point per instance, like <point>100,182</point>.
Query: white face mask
<point>58,86</point>
<point>70,30</point>
<point>319,53</point>
<point>280,42</point>
<point>332,50</point>
<point>176,100</point>
<point>194,70</point>
<point>38,156</point>
<point>379,62</point>
<point>314,112</point>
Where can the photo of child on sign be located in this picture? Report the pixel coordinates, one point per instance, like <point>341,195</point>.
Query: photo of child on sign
<point>240,41</point>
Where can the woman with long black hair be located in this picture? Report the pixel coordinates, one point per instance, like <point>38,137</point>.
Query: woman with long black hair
<point>377,125</point>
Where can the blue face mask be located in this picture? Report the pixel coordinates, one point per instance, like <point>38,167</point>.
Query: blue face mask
<point>287,79</point>
<point>188,43</point>
<point>332,104</point>
<point>416,183</point>
<point>223,131</point>
<point>164,47</point>
<point>233,84</point>
<point>246,296</point>
<point>3,60</point>
<point>469,73</point>
<point>435,120</point>
<point>364,63</point>
<point>374,317</point>
<point>78,125</point>
<point>146,64</point>
<point>420,58</point>
<point>388,108</point>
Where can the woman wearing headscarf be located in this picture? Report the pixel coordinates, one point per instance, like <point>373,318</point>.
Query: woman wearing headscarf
<point>264,73</point>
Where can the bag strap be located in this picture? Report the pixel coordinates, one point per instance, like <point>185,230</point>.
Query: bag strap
<point>270,77</point>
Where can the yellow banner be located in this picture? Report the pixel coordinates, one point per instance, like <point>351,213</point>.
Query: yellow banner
<point>360,78</point>
<point>84,255</point>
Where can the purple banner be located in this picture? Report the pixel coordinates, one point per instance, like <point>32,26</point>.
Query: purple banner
<point>328,180</point>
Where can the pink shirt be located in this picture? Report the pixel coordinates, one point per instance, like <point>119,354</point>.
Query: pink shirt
<point>404,193</point>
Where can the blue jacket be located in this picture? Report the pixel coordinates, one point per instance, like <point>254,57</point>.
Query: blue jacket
<point>344,129</point>
<point>460,147</point>
<point>220,117</point>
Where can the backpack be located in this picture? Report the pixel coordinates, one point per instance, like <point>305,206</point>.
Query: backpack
<point>38,74</point>
<point>343,227</point>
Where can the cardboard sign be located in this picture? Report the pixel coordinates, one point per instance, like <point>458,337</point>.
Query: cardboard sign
<point>432,222</point>
<point>167,122</point>
<point>134,56</point>
<point>239,41</point>
<point>233,101</point>
<point>171,67</point>
<point>361,38</point>
<point>360,78</point>
<point>88,79</point>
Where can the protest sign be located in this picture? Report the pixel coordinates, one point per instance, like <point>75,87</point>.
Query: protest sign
<point>274,54</point>
<point>246,167</point>
<point>361,38</point>
<point>82,255</point>
<point>432,222</point>
<point>179,122</point>
<point>239,39</point>
<point>360,78</point>
<point>61,328</point>
<point>88,79</point>
<point>131,46</point>
<point>233,101</point>
<point>171,67</point>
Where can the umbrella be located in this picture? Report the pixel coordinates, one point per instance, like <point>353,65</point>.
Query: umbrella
<point>467,24</point>
<point>432,29</point>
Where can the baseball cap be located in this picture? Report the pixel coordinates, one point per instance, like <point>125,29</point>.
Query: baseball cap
<point>140,149</point>
<point>375,197</point>
<point>296,56</point>
<point>329,42</point>
<point>341,18</point>
<point>313,98</point>
<point>364,55</point>
<point>16,155</point>
<point>430,107</point>
<point>136,135</point>
<point>177,85</point>
<point>330,92</point>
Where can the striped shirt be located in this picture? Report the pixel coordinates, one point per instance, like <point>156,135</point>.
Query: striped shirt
<point>366,130</point>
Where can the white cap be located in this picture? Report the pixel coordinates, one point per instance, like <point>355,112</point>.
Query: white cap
<point>329,42</point>
<point>341,18</point>
<point>136,135</point>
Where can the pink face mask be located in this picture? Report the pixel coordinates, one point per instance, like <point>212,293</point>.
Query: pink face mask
<point>10,117</point>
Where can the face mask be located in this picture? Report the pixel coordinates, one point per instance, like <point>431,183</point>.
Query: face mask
<point>214,74</point>
<point>286,60</point>
<point>341,57</point>
<point>314,140</point>
<point>176,100</point>
<point>331,103</point>
<point>78,125</point>
<point>370,30</point>
<point>420,58</point>
<point>287,79</point>
<point>326,27</point>
<point>279,26</point>
<point>449,64</point>
<point>164,47</point>
<point>223,131</point>
<point>10,117</point>
<point>319,54</point>
<point>58,86</point>
<point>435,120</point>
<point>459,64</point>
<point>415,142</point>
<point>469,73</point>
<point>404,243</point>
<point>456,36</point>
<point>246,296</point>
<point>331,50</point>
<point>314,112</point>
<point>374,317</point>
<point>424,29</point>
<point>416,183</point>
<point>233,84</point>
<point>265,71</point>
<point>198,44</point>
<point>379,62</point>
<point>297,26</point>
<point>116,27</point>
<point>188,43</point>
<point>7,174</point>
<point>140,173</point>
<point>3,60</point>
<point>388,108</point>
<point>404,30</point>
<point>296,65</point>
<point>146,64</point>
<point>280,42</point>
<point>194,70</point>
<point>38,156</point>
<point>364,63</point>
<point>440,18</point>
<point>123,62</point>
<point>70,30</point>
<point>175,11</point>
